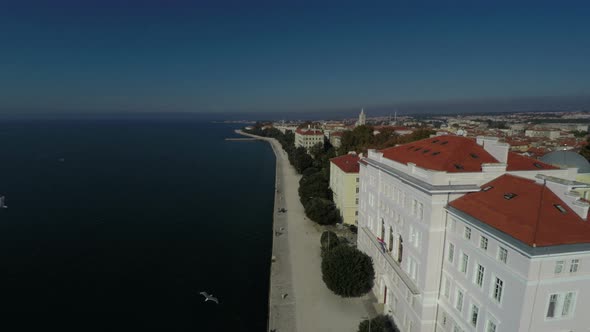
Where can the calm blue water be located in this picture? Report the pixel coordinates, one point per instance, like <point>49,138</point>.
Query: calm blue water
<point>116,225</point>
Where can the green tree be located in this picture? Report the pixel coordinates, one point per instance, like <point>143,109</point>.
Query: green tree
<point>300,159</point>
<point>314,185</point>
<point>348,272</point>
<point>358,139</point>
<point>322,211</point>
<point>380,323</point>
<point>328,241</point>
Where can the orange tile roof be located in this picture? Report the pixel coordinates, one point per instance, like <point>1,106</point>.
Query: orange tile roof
<point>309,132</point>
<point>517,162</point>
<point>530,217</point>
<point>349,163</point>
<point>455,154</point>
<point>442,153</point>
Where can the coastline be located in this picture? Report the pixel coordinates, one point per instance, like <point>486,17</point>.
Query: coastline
<point>296,271</point>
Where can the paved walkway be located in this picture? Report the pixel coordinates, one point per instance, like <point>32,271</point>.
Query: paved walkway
<point>309,306</point>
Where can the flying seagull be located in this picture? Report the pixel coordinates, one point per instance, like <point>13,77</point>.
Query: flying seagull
<point>209,297</point>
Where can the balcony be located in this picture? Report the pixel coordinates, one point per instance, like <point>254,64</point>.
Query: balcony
<point>393,264</point>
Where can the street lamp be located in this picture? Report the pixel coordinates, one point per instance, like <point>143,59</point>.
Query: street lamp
<point>369,319</point>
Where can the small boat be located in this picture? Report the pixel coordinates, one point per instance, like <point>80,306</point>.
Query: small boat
<point>2,205</point>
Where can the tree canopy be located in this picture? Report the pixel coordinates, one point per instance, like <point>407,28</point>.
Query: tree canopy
<point>347,271</point>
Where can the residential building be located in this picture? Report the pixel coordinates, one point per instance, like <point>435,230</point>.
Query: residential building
<point>344,182</point>
<point>404,195</point>
<point>309,137</point>
<point>336,138</point>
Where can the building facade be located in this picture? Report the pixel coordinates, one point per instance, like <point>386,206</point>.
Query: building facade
<point>307,138</point>
<point>344,182</point>
<point>404,203</point>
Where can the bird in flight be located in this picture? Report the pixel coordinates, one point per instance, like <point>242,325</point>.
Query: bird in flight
<point>209,297</point>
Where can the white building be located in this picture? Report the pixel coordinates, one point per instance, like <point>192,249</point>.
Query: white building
<point>344,182</point>
<point>307,138</point>
<point>405,211</point>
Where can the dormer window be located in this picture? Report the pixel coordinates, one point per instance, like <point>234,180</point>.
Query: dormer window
<point>417,149</point>
<point>560,208</point>
<point>487,188</point>
<point>435,141</point>
<point>445,142</point>
<point>473,155</point>
<point>509,196</point>
<point>425,151</point>
<point>537,165</point>
<point>435,153</point>
<point>458,166</point>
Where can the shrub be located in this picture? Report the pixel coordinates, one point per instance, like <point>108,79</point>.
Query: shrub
<point>380,323</point>
<point>329,241</point>
<point>322,211</point>
<point>348,272</point>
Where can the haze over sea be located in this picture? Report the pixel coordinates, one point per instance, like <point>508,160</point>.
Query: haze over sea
<point>118,224</point>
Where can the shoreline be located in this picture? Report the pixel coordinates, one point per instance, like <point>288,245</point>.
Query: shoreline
<point>298,298</point>
<point>281,313</point>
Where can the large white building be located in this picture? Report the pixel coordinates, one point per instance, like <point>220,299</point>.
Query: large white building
<point>344,182</point>
<point>307,138</point>
<point>467,236</point>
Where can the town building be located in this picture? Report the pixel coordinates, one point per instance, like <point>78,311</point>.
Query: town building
<point>336,138</point>
<point>344,182</point>
<point>411,211</point>
<point>308,137</point>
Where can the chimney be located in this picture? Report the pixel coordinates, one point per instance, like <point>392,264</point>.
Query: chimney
<point>497,149</point>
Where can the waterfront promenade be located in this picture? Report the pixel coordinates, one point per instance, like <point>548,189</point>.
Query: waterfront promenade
<point>309,305</point>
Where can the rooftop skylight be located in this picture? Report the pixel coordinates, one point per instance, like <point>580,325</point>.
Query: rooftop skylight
<point>487,188</point>
<point>509,196</point>
<point>560,208</point>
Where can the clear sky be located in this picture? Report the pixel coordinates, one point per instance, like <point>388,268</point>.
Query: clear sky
<point>284,56</point>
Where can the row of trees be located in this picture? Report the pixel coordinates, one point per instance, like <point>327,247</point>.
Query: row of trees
<point>361,138</point>
<point>314,187</point>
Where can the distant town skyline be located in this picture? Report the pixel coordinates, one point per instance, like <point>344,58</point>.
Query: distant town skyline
<point>261,56</point>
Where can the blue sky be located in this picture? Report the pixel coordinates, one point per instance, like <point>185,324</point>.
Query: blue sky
<point>287,56</point>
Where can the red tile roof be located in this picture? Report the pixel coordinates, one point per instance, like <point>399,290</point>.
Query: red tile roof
<point>309,132</point>
<point>517,162</point>
<point>530,217</point>
<point>442,153</point>
<point>349,163</point>
<point>455,154</point>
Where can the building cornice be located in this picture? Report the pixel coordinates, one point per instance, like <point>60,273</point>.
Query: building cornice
<point>422,185</point>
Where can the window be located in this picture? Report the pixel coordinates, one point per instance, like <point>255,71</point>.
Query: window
<point>498,286</point>
<point>467,233</point>
<point>552,305</point>
<point>459,302</point>
<point>451,252</point>
<point>390,239</point>
<point>509,196</point>
<point>483,243</point>
<point>479,273</point>
<point>447,290</point>
<point>567,304</point>
<point>357,190</point>
<point>502,254</point>
<point>558,267</point>
<point>491,327</point>
<point>383,230</point>
<point>357,180</point>
<point>474,314</point>
<point>560,305</point>
<point>560,208</point>
<point>464,262</point>
<point>356,201</point>
<point>574,265</point>
<point>356,213</point>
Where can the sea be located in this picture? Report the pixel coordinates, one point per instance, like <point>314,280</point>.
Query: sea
<point>117,224</point>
